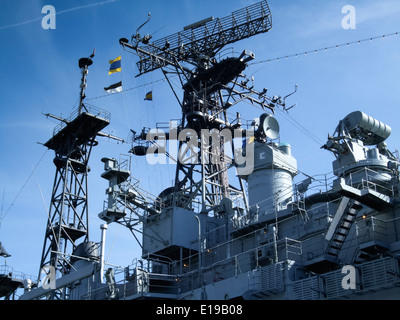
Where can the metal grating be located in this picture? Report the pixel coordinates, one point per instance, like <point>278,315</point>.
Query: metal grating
<point>272,278</point>
<point>305,289</point>
<point>333,285</point>
<point>379,273</point>
<point>373,275</point>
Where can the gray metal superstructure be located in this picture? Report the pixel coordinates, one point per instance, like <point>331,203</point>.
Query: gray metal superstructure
<point>307,247</point>
<point>262,237</point>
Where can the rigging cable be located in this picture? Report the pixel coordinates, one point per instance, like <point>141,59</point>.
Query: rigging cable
<point>130,89</point>
<point>285,57</point>
<point>23,186</point>
<point>302,128</point>
<point>295,55</point>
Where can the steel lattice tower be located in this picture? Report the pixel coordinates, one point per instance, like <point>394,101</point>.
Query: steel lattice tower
<point>211,86</point>
<point>72,142</point>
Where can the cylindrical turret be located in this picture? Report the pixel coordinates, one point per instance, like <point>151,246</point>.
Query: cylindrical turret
<point>270,184</point>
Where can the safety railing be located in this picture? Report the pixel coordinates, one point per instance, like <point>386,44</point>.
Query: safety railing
<point>158,275</point>
<point>367,178</point>
<point>97,112</point>
<point>8,271</point>
<point>371,228</point>
<point>368,277</point>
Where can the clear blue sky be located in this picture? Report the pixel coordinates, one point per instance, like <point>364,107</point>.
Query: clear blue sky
<point>40,74</point>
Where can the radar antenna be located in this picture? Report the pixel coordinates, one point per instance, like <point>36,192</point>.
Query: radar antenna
<point>211,85</point>
<point>204,38</point>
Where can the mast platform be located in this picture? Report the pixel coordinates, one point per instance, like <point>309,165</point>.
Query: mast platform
<point>79,130</point>
<point>9,282</point>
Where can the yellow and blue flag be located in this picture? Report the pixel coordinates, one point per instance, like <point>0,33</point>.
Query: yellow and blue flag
<point>149,96</point>
<point>115,65</point>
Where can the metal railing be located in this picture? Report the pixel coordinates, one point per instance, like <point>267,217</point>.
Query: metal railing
<point>159,276</point>
<point>97,112</point>
<point>370,277</point>
<point>10,272</point>
<point>367,178</point>
<point>371,228</point>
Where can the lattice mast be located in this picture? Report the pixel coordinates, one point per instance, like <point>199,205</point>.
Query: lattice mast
<point>68,222</point>
<point>210,87</point>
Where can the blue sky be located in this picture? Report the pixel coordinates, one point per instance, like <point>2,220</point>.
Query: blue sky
<point>40,74</point>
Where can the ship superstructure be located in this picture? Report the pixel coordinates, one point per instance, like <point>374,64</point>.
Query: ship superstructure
<point>10,279</point>
<point>234,225</point>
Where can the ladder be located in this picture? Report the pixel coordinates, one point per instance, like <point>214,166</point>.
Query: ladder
<point>341,225</point>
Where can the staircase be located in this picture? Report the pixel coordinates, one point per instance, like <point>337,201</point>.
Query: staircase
<point>341,225</point>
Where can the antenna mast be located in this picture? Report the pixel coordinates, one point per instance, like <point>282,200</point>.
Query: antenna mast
<point>210,87</point>
<point>209,90</point>
<point>67,224</point>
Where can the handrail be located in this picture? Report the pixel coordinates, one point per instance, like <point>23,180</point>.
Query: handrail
<point>90,110</point>
<point>371,178</point>
<point>18,275</point>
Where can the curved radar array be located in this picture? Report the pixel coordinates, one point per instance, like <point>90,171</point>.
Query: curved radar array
<point>358,126</point>
<point>367,129</point>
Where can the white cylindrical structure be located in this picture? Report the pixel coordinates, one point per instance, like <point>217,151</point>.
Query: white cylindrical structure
<point>270,189</point>
<point>103,228</point>
<point>270,185</point>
